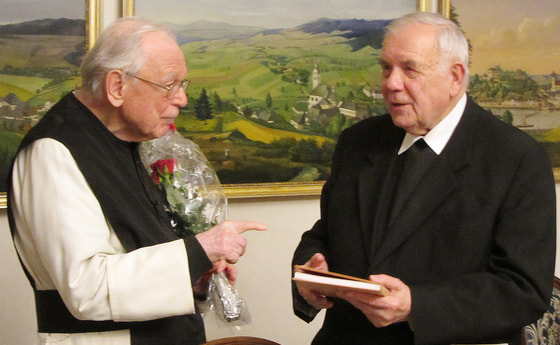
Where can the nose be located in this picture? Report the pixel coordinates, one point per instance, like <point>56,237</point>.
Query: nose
<point>181,99</point>
<point>394,81</point>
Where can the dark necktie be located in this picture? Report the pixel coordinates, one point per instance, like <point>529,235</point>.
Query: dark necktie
<point>417,159</point>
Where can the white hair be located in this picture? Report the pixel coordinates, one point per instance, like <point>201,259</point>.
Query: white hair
<point>119,47</point>
<point>452,43</point>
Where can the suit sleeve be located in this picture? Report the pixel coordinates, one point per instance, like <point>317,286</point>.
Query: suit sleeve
<point>66,244</point>
<point>314,241</point>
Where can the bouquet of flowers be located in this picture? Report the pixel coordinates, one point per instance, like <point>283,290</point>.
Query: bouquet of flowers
<point>196,202</point>
<point>193,192</point>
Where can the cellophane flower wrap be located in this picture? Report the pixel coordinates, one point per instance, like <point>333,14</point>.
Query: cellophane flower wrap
<point>191,187</point>
<point>196,202</point>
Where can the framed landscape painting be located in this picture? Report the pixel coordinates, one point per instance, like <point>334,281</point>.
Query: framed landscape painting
<point>273,83</point>
<point>515,61</point>
<point>42,46</point>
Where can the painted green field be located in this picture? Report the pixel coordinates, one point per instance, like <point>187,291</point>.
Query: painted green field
<point>24,87</point>
<point>234,122</point>
<point>248,156</point>
<point>22,93</point>
<point>267,135</point>
<point>37,51</point>
<point>223,66</point>
<point>55,92</point>
<point>29,63</point>
<point>10,141</point>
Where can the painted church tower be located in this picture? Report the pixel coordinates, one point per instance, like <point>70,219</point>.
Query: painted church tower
<point>316,77</point>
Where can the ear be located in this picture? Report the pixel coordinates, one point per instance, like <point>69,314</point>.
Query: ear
<point>458,75</point>
<point>114,86</point>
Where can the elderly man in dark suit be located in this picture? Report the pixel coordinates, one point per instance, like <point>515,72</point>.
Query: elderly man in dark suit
<point>467,249</point>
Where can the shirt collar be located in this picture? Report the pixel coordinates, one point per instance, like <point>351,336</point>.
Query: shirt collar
<point>438,136</point>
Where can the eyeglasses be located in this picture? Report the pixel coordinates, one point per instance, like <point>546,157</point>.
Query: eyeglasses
<point>171,89</point>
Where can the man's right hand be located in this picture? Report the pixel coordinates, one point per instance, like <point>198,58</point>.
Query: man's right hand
<point>313,298</point>
<point>225,242</point>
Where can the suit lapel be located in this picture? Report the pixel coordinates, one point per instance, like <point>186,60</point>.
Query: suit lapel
<point>375,189</point>
<point>375,186</point>
<point>434,188</point>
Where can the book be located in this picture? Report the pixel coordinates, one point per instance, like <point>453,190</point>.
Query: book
<point>329,283</point>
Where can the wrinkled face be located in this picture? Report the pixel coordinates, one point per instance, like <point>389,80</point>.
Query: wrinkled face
<point>416,84</point>
<point>147,109</point>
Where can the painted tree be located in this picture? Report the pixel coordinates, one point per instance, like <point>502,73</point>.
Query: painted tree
<point>216,102</point>
<point>268,101</point>
<point>507,117</point>
<point>202,108</point>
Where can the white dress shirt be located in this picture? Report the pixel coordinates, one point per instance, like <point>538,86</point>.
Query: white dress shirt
<point>438,136</point>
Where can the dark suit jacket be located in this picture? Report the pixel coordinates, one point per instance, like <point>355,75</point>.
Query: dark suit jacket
<point>475,243</point>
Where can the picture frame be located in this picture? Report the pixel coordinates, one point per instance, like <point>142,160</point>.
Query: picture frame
<point>92,17</point>
<point>93,21</point>
<point>283,188</point>
<point>505,48</point>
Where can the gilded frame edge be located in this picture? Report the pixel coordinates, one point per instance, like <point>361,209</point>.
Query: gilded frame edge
<point>283,189</point>
<point>93,21</point>
<point>93,26</point>
<point>444,8</point>
<point>127,8</point>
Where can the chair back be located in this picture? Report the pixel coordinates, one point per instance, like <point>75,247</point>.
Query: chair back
<point>241,341</point>
<point>546,331</point>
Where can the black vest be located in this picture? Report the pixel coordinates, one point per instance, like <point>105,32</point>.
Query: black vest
<point>132,204</point>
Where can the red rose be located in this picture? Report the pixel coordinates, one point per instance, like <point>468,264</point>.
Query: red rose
<point>163,168</point>
<point>155,176</point>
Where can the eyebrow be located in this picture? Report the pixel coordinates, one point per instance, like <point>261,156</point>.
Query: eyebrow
<point>408,63</point>
<point>411,63</point>
<point>172,77</point>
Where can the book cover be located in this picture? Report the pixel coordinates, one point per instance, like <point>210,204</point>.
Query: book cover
<point>329,283</point>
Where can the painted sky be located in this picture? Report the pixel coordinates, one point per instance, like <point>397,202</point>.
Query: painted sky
<point>16,11</point>
<point>270,14</point>
<point>512,33</point>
